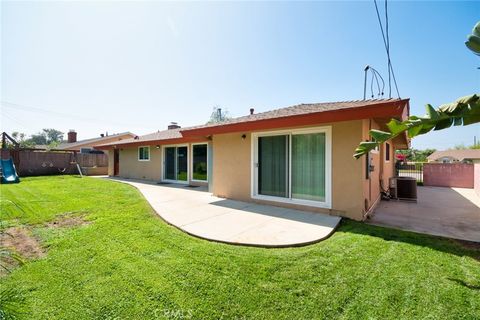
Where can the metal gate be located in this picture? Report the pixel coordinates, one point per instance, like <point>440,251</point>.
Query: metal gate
<point>410,169</point>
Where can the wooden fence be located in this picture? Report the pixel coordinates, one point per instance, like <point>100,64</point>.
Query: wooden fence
<point>38,163</point>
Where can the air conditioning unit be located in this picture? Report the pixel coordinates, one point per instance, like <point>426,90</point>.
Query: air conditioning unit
<point>403,188</point>
<point>407,188</point>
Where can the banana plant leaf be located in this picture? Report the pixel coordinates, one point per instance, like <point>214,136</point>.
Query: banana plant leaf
<point>463,111</point>
<point>473,40</point>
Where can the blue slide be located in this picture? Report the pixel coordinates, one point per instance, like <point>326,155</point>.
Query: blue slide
<point>9,174</point>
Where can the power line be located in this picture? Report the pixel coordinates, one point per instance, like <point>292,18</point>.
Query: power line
<point>388,49</point>
<point>10,117</point>
<point>387,46</point>
<point>45,112</point>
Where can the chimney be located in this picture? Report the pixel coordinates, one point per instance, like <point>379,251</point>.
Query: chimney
<point>252,111</point>
<point>72,136</point>
<point>173,125</point>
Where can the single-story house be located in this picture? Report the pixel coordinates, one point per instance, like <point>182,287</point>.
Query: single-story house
<point>298,157</point>
<point>451,156</point>
<point>88,145</point>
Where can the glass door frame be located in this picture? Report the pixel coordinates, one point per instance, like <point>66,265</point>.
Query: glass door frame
<point>176,146</point>
<point>328,167</point>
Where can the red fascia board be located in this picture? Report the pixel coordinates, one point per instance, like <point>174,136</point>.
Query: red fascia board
<point>151,142</point>
<point>385,109</point>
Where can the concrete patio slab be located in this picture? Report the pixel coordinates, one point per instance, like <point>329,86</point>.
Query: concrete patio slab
<point>201,214</point>
<point>448,212</point>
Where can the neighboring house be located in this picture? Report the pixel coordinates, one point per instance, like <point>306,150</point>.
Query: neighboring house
<point>297,157</point>
<point>451,156</point>
<point>88,145</point>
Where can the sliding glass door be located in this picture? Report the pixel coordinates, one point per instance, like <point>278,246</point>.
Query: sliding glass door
<point>273,166</point>
<point>200,162</point>
<point>176,163</point>
<point>308,166</point>
<point>182,163</point>
<point>293,166</point>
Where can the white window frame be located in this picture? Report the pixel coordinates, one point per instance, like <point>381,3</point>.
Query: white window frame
<point>191,164</point>
<point>163,163</point>
<point>138,153</point>
<point>328,167</point>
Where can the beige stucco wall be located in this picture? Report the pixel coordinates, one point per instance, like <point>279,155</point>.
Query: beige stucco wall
<point>232,166</point>
<point>130,167</point>
<point>110,162</point>
<point>383,170</point>
<point>388,169</point>
<point>232,170</point>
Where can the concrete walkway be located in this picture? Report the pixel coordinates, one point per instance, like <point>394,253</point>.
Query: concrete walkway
<point>448,212</point>
<point>198,213</point>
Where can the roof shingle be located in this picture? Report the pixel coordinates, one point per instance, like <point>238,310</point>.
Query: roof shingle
<point>300,109</point>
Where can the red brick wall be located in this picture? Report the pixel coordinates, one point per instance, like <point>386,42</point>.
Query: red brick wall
<point>448,175</point>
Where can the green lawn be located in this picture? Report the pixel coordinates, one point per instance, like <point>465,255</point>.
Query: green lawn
<point>129,264</point>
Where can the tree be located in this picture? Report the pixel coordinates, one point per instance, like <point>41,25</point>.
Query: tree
<point>416,155</point>
<point>20,138</point>
<point>51,137</point>
<point>464,147</point>
<point>38,138</point>
<point>219,115</point>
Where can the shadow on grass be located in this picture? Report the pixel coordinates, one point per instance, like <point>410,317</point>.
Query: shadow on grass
<point>451,246</point>
<point>466,285</point>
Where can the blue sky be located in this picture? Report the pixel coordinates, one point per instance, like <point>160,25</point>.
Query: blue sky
<point>136,66</point>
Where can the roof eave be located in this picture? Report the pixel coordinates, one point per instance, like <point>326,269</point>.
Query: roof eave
<point>150,143</point>
<point>385,109</point>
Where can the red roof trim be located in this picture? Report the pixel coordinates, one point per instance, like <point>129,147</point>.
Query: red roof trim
<point>385,109</point>
<point>152,142</point>
<point>396,108</point>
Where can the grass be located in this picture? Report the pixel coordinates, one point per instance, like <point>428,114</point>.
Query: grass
<point>127,263</point>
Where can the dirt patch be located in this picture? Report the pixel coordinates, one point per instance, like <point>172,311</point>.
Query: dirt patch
<point>21,241</point>
<point>67,220</point>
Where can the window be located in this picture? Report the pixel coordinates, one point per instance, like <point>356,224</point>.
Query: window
<point>293,167</point>
<point>199,160</point>
<point>85,150</point>
<point>143,153</point>
<point>387,151</point>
